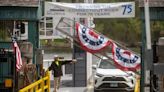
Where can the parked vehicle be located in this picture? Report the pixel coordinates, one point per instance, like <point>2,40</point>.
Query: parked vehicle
<point>110,79</point>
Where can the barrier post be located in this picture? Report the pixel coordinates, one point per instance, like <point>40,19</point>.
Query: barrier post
<point>42,84</point>
<point>137,85</point>
<point>48,80</point>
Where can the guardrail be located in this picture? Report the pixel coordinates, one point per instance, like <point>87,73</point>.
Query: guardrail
<point>42,85</point>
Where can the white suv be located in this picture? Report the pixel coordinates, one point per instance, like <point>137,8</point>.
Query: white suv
<point>110,79</point>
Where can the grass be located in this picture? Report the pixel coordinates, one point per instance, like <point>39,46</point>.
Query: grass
<point>56,45</point>
<point>54,42</point>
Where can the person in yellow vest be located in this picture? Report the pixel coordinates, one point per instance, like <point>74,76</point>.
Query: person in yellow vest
<point>56,68</point>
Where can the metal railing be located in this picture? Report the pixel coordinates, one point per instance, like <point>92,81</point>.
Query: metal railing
<point>42,85</point>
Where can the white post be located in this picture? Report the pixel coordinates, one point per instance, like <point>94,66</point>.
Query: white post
<point>89,55</point>
<point>147,24</point>
<point>148,42</point>
<point>45,28</point>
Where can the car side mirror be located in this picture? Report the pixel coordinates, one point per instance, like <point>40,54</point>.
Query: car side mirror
<point>94,66</point>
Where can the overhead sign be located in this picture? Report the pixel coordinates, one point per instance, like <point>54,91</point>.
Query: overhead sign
<point>84,10</point>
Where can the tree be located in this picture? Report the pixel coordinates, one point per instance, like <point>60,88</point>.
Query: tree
<point>126,31</point>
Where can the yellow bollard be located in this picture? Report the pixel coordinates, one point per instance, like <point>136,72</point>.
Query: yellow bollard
<point>48,80</point>
<point>137,85</point>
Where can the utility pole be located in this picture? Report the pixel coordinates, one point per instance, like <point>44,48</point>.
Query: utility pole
<point>147,60</point>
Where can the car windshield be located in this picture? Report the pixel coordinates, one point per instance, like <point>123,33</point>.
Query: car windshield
<point>105,64</point>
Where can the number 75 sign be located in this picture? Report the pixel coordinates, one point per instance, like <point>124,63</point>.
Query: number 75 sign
<point>95,10</point>
<point>127,9</point>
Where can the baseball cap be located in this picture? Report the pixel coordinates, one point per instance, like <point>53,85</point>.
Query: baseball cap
<point>55,56</point>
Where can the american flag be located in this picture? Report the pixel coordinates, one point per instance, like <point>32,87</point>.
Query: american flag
<point>18,56</point>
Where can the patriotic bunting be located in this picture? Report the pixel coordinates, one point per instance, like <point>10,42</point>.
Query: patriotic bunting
<point>125,59</point>
<point>93,43</point>
<point>18,56</point>
<point>90,40</point>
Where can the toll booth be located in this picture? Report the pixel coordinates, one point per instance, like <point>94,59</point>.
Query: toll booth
<point>7,70</point>
<point>18,18</point>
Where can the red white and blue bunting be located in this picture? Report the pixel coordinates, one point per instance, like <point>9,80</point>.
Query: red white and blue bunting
<point>94,42</point>
<point>124,59</point>
<point>90,40</point>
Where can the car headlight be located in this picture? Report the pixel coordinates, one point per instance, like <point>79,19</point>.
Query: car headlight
<point>99,75</point>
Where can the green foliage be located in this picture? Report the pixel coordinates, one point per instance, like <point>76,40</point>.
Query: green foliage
<point>127,30</point>
<point>110,1</point>
<point>3,33</point>
<point>54,42</point>
<point>56,45</point>
<point>157,29</point>
<point>123,30</point>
